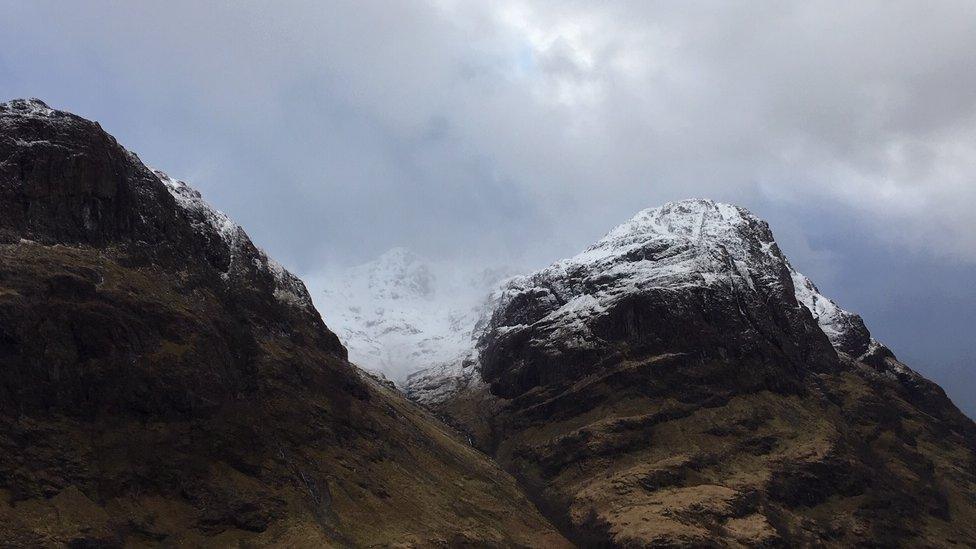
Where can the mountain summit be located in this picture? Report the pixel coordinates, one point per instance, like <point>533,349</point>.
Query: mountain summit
<point>680,383</point>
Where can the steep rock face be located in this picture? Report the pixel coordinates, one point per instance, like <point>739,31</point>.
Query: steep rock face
<point>679,383</point>
<point>163,381</point>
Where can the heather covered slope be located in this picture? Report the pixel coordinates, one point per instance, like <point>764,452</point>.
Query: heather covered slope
<point>679,383</point>
<point>163,381</point>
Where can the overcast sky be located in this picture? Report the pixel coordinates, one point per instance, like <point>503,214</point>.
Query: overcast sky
<point>517,132</point>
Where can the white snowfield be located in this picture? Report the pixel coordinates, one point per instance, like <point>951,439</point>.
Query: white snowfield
<point>401,313</point>
<point>680,244</point>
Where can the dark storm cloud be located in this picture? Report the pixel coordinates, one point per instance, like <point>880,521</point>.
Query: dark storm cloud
<point>519,131</point>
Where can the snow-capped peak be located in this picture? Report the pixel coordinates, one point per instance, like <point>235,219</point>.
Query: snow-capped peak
<point>694,218</point>
<point>733,227</point>
<point>687,243</point>
<point>681,245</point>
<point>694,222</point>
<point>694,242</point>
<point>30,107</point>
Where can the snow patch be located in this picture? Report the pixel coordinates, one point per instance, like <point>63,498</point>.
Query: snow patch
<point>205,219</point>
<point>27,107</point>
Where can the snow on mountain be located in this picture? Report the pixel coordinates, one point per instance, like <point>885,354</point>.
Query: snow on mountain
<point>680,244</point>
<point>691,242</point>
<point>845,330</point>
<point>28,107</point>
<point>401,313</point>
<point>217,227</point>
<point>210,221</point>
<point>688,243</point>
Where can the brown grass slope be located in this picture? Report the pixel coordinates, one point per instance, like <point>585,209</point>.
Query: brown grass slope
<point>621,460</point>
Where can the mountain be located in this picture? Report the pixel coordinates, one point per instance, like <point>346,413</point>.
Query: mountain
<point>679,383</point>
<point>163,382</point>
<point>401,312</point>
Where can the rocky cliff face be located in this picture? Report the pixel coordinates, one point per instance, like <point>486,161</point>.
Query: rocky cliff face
<point>679,383</point>
<point>163,381</point>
